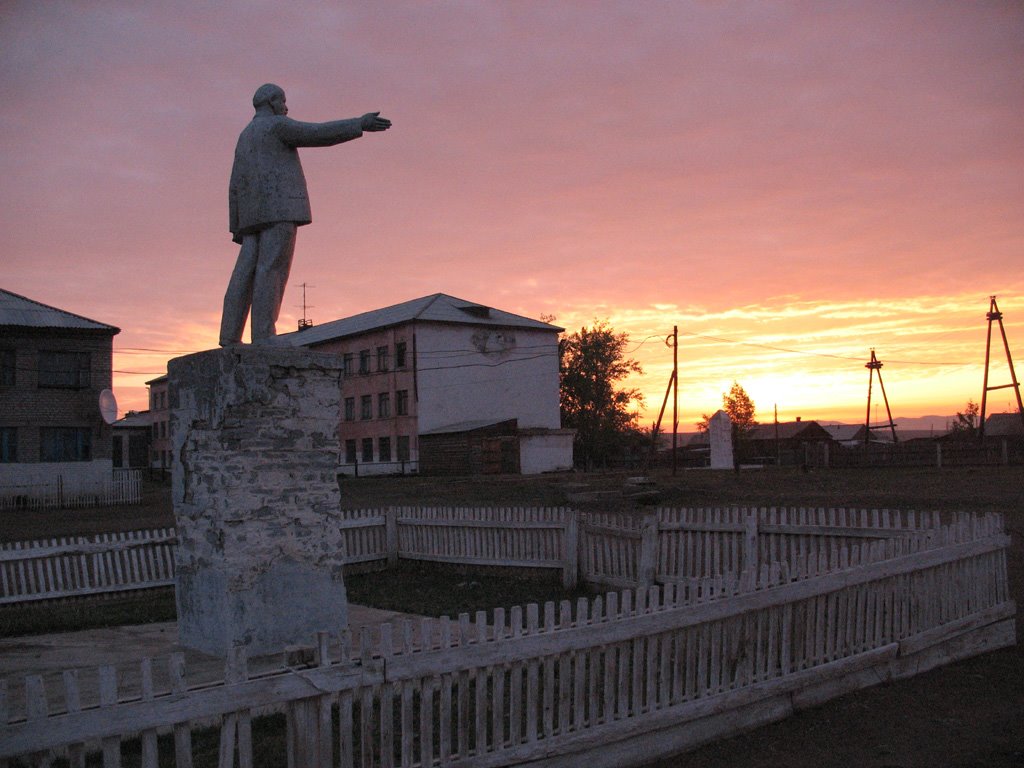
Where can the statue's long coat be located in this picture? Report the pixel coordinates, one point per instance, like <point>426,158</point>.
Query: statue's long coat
<point>267,183</point>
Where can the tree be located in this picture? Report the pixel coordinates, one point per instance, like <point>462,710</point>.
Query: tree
<point>592,363</point>
<point>737,403</point>
<point>966,424</point>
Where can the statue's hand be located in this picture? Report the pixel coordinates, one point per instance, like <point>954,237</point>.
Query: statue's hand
<point>372,121</point>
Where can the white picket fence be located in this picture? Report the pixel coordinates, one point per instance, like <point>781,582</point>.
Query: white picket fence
<point>615,681</point>
<point>123,487</point>
<point>603,549</point>
<point>86,565</point>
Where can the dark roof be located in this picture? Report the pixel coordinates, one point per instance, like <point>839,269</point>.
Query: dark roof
<point>788,430</point>
<point>1003,425</point>
<point>438,307</point>
<point>20,312</point>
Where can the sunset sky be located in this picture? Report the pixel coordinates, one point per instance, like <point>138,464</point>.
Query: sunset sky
<point>791,183</point>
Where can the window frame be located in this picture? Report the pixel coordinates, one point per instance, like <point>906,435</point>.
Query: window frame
<point>51,374</point>
<point>71,444</point>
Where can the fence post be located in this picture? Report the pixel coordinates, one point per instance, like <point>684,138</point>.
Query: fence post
<point>750,542</point>
<point>648,551</point>
<point>391,535</point>
<point>570,549</point>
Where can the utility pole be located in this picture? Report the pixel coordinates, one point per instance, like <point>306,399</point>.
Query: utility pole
<point>675,394</point>
<point>778,449</point>
<point>995,316</point>
<point>673,387</point>
<point>876,365</point>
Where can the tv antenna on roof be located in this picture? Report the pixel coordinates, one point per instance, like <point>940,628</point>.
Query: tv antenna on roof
<point>305,322</point>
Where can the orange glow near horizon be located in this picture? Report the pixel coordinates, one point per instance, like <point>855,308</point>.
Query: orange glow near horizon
<point>807,358</point>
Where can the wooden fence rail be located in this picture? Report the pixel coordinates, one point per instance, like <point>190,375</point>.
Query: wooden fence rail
<point>86,565</point>
<point>605,549</point>
<point>614,681</point>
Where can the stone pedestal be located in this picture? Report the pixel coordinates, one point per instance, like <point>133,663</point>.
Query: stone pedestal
<point>720,435</point>
<point>255,436</point>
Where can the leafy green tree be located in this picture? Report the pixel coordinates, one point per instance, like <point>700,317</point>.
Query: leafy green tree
<point>737,403</point>
<point>740,407</point>
<point>593,362</point>
<point>966,424</point>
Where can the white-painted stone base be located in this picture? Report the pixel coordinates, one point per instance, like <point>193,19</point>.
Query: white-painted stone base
<point>254,484</point>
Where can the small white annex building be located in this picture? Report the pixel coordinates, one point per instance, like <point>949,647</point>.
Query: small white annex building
<point>441,385</point>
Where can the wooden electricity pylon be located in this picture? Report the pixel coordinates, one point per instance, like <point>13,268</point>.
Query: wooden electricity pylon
<point>876,365</point>
<point>995,316</point>
<point>673,389</point>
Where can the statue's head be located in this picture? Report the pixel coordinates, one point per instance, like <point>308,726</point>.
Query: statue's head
<point>272,96</point>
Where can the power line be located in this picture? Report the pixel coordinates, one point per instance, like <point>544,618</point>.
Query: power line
<point>810,354</point>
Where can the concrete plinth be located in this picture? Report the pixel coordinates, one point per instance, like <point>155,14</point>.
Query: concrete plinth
<point>255,436</point>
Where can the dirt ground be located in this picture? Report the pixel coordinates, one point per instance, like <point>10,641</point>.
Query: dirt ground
<point>965,714</point>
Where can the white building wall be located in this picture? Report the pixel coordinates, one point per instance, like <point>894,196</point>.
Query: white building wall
<point>545,453</point>
<point>470,373</point>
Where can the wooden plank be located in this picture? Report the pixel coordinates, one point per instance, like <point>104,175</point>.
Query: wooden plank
<point>148,739</point>
<point>609,733</point>
<point>111,745</point>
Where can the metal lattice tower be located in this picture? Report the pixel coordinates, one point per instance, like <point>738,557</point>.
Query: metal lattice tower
<point>995,316</point>
<point>874,365</point>
<point>305,322</point>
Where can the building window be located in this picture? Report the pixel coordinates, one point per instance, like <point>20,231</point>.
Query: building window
<point>402,402</point>
<point>383,359</point>
<point>65,444</point>
<point>64,370</point>
<point>366,407</point>
<point>367,449</point>
<point>7,367</point>
<point>384,449</point>
<point>156,430</point>
<point>364,361</point>
<point>8,445</point>
<point>350,451</point>
<point>348,360</point>
<point>400,355</point>
<point>350,409</point>
<point>384,405</point>
<point>403,447</point>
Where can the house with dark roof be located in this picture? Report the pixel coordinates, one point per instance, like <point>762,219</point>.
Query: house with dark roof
<point>1004,425</point>
<point>54,365</point>
<point>447,386</point>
